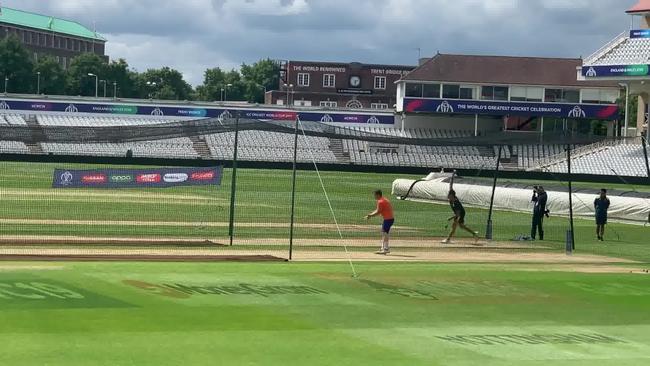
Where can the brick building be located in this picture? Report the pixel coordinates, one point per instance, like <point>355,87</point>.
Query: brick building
<point>46,35</point>
<point>337,85</point>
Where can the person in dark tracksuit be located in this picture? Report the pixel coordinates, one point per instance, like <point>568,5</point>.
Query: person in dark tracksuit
<point>601,205</point>
<point>539,210</point>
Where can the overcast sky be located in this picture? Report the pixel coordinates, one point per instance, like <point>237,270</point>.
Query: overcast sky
<point>192,35</point>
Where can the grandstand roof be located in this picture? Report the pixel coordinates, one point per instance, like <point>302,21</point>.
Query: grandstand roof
<point>643,6</point>
<point>503,70</point>
<point>47,23</point>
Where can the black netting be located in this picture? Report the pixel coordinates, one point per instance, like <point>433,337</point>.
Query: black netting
<point>211,126</point>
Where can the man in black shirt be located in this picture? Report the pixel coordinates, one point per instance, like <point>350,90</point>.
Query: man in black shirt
<point>459,217</point>
<point>601,205</point>
<point>539,210</point>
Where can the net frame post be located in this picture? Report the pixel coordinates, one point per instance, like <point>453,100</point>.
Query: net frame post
<point>293,188</point>
<point>233,185</point>
<point>644,142</point>
<point>571,236</point>
<point>488,230</point>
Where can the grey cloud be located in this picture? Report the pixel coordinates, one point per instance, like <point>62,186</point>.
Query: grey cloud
<point>193,35</point>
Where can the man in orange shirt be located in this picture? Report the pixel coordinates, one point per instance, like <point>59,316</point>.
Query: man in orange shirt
<point>385,209</point>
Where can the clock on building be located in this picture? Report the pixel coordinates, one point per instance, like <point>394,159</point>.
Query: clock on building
<point>355,81</point>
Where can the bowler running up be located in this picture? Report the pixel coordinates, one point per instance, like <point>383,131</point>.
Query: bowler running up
<point>385,209</point>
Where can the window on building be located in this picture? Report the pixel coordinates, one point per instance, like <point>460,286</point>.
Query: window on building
<point>303,79</point>
<point>600,96</point>
<point>468,92</point>
<point>378,106</point>
<point>302,103</point>
<point>490,92</point>
<point>526,94</point>
<point>562,96</point>
<point>354,104</point>
<point>329,81</point>
<point>65,63</point>
<point>450,91</point>
<point>42,40</point>
<point>571,96</point>
<point>431,90</point>
<point>380,82</point>
<point>413,90</point>
<point>328,104</point>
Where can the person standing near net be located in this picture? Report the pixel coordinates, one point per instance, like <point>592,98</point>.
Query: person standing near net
<point>385,209</point>
<point>459,218</point>
<point>601,205</point>
<point>539,210</point>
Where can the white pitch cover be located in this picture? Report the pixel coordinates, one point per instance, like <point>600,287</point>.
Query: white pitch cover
<point>435,188</point>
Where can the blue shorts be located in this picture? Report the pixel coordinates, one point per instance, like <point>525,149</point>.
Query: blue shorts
<point>385,227</point>
<point>601,219</point>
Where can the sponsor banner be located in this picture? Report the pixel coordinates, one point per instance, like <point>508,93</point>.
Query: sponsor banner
<point>348,118</point>
<point>640,33</point>
<point>137,178</point>
<point>560,110</point>
<point>615,71</point>
<point>355,91</point>
<point>160,111</point>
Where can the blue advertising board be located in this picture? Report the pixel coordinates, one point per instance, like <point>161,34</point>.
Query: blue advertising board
<point>195,112</point>
<point>615,71</point>
<point>640,33</point>
<point>137,178</point>
<point>561,110</point>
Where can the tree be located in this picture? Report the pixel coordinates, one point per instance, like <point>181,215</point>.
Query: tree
<point>258,77</point>
<point>126,79</point>
<point>78,82</point>
<point>17,65</point>
<point>165,83</point>
<point>52,77</point>
<point>215,80</point>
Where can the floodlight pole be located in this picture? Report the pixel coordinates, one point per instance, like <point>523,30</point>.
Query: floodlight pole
<point>488,231</point>
<point>293,187</point>
<point>233,185</point>
<point>570,178</point>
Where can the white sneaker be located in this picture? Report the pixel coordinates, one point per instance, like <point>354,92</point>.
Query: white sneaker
<point>383,252</point>
<point>446,241</point>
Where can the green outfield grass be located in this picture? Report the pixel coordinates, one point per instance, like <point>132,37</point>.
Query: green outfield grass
<point>263,211</point>
<point>316,314</point>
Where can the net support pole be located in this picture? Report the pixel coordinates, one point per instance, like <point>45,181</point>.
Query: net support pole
<point>488,230</point>
<point>293,188</point>
<point>571,246</point>
<point>644,142</point>
<point>233,185</point>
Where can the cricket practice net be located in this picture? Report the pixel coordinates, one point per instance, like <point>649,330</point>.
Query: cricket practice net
<point>287,189</point>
